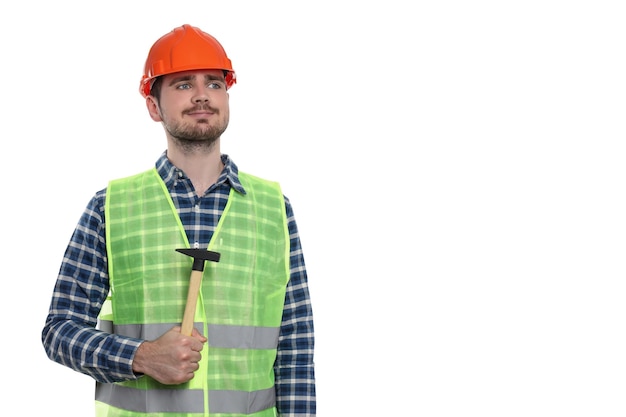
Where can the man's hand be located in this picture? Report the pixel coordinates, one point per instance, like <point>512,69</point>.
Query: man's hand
<point>172,358</point>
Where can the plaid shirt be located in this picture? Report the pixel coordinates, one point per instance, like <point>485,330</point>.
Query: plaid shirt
<point>71,339</point>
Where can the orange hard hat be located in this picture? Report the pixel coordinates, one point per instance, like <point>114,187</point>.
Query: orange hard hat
<point>183,49</point>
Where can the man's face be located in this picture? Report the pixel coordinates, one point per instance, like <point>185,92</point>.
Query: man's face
<point>193,106</point>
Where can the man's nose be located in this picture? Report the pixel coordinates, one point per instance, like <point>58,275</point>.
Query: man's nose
<point>201,98</point>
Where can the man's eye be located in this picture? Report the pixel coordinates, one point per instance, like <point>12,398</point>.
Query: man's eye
<point>215,85</point>
<point>183,86</point>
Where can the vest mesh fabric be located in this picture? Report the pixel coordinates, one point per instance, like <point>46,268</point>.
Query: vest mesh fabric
<point>239,308</point>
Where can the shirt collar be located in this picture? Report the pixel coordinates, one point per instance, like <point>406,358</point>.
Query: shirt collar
<point>170,173</point>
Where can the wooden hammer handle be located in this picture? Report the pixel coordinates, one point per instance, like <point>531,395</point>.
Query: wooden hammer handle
<point>192,299</point>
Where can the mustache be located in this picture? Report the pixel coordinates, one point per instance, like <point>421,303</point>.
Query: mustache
<point>203,107</point>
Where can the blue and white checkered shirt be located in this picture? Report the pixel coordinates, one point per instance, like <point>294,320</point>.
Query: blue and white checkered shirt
<point>70,336</point>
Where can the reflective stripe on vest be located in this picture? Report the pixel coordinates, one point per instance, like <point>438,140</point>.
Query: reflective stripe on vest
<point>236,337</point>
<point>239,307</point>
<point>185,401</point>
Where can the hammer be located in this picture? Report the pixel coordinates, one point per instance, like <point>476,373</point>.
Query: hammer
<point>199,256</point>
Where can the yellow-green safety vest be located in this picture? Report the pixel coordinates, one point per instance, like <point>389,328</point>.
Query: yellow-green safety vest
<point>239,307</point>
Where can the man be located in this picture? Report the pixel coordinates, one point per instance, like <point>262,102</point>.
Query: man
<point>122,288</point>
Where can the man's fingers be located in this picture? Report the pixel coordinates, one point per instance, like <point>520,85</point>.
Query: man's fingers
<point>195,333</point>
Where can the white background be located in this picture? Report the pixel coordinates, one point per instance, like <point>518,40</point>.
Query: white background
<point>456,169</point>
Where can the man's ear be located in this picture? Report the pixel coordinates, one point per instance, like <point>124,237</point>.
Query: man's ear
<point>153,109</point>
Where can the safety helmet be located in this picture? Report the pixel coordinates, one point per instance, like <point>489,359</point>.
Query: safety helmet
<point>183,49</point>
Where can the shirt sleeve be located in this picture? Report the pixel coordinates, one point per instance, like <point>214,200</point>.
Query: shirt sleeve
<point>294,367</point>
<point>70,336</point>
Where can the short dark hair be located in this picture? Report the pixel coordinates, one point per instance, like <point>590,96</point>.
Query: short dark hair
<point>155,89</point>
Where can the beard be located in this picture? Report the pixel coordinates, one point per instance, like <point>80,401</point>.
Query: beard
<point>197,136</point>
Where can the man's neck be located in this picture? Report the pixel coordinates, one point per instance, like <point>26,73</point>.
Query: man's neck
<point>203,167</point>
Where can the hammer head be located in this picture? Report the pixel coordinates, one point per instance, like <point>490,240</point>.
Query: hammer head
<point>199,256</point>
